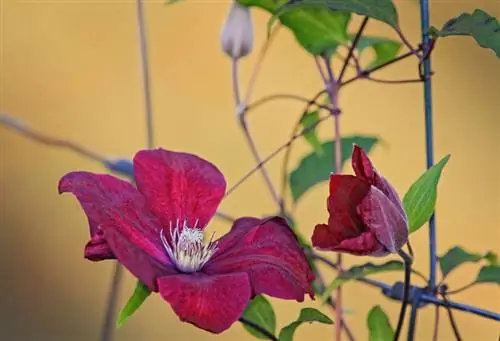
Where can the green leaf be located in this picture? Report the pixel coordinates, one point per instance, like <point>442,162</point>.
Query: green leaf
<point>484,28</point>
<point>140,294</point>
<point>420,200</point>
<point>489,274</point>
<point>455,257</point>
<point>379,325</point>
<point>306,315</point>
<point>308,120</point>
<point>317,29</point>
<point>385,49</point>
<point>314,169</point>
<point>360,271</point>
<point>260,311</point>
<point>492,258</point>
<point>382,10</point>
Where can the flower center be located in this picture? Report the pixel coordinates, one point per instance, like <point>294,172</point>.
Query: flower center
<point>187,249</point>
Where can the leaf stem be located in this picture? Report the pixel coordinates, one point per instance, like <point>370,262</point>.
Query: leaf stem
<point>273,154</point>
<point>406,292</point>
<point>465,287</point>
<point>453,323</point>
<point>258,328</point>
<point>248,136</point>
<point>354,43</point>
<point>436,324</point>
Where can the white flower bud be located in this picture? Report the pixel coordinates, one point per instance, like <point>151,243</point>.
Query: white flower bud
<point>237,34</point>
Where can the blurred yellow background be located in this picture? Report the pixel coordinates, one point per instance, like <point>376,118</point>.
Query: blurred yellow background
<point>71,69</point>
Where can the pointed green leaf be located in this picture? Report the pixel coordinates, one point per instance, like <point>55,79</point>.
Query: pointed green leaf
<point>140,294</point>
<point>308,120</point>
<point>260,311</point>
<point>385,49</point>
<point>489,274</point>
<point>360,271</point>
<point>420,200</point>
<point>379,325</point>
<point>314,169</point>
<point>382,10</point>
<point>317,29</point>
<point>455,257</point>
<point>306,315</point>
<point>483,27</point>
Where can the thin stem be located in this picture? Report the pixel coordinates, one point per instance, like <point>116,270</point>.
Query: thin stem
<point>248,136</point>
<point>235,78</point>
<point>394,81</point>
<point>367,72</point>
<point>273,154</point>
<point>288,152</point>
<point>260,60</point>
<point>108,329</point>
<point>332,89</point>
<point>274,97</point>
<point>25,130</point>
<point>429,141</point>
<point>350,54</point>
<point>146,83</point>
<point>406,42</point>
<point>258,328</point>
<point>436,324</point>
<point>406,293</point>
<point>108,326</point>
<point>465,287</point>
<point>225,217</point>
<point>453,323</point>
<point>412,325</point>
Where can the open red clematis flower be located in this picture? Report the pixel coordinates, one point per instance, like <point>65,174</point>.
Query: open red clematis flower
<point>366,215</point>
<point>156,232</point>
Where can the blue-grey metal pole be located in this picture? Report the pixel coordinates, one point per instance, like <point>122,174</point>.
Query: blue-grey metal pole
<point>429,143</point>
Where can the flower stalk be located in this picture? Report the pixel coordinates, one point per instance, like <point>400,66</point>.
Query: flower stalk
<point>408,261</point>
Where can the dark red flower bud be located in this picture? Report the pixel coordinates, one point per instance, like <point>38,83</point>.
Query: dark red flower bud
<point>366,215</point>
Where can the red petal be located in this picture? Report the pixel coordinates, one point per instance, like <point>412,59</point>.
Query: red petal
<point>212,303</point>
<point>364,245</point>
<point>268,251</point>
<point>384,219</point>
<point>346,193</point>
<point>118,210</point>
<point>364,169</point>
<point>97,249</point>
<point>179,185</point>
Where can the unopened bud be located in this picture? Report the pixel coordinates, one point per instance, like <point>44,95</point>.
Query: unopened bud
<point>237,34</point>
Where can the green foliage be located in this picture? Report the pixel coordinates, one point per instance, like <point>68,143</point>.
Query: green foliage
<point>489,274</point>
<point>420,200</point>
<point>317,29</point>
<point>260,311</point>
<point>457,256</point>
<point>308,120</point>
<point>385,49</point>
<point>483,27</point>
<point>140,294</point>
<point>379,325</point>
<point>360,271</point>
<point>382,10</point>
<point>314,168</point>
<point>307,315</point>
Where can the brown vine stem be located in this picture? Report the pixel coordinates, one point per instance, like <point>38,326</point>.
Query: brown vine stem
<point>258,65</point>
<point>436,324</point>
<point>246,132</point>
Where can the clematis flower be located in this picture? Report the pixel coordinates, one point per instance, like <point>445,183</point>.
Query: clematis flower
<point>366,215</point>
<point>156,232</point>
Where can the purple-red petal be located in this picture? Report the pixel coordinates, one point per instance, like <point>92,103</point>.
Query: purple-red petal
<point>212,303</point>
<point>268,251</point>
<point>117,212</point>
<point>179,186</point>
<point>97,249</point>
<point>364,169</point>
<point>384,220</point>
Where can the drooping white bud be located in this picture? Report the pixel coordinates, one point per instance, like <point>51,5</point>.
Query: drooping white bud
<point>237,34</point>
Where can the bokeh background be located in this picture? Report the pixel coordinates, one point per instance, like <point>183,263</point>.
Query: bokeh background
<point>71,69</point>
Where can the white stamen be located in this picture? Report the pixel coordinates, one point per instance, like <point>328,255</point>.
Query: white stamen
<point>187,248</point>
